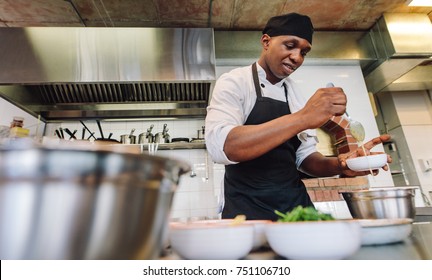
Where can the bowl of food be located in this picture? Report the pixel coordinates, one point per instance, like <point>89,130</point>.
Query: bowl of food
<point>381,203</point>
<point>385,231</point>
<point>366,163</point>
<point>305,235</point>
<point>259,238</point>
<point>69,202</point>
<point>212,240</point>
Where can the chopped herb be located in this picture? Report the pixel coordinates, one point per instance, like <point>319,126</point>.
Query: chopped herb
<point>301,213</point>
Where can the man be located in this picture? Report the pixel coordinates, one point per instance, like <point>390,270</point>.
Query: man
<point>261,128</point>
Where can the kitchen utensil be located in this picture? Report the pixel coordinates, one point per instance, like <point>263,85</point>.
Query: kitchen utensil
<point>61,132</point>
<point>385,231</point>
<point>69,202</point>
<point>180,139</point>
<point>381,203</point>
<point>128,138</point>
<point>356,128</point>
<point>58,134</point>
<point>335,239</point>
<point>91,133</point>
<point>211,241</point>
<point>100,128</point>
<point>71,134</point>
<point>201,133</point>
<point>259,239</point>
<point>366,163</point>
<point>147,137</point>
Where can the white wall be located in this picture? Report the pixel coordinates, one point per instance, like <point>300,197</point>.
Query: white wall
<point>350,78</point>
<point>8,111</point>
<point>414,110</point>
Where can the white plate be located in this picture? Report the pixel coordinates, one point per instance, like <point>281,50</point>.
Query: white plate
<point>385,231</point>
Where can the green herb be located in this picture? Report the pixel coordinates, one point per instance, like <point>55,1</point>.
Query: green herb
<point>301,213</point>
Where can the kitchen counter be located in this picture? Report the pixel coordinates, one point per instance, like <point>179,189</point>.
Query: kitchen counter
<point>418,246</point>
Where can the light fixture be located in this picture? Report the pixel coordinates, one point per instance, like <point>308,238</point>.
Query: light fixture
<point>419,3</point>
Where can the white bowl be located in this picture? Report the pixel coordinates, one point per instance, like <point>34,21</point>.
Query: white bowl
<point>259,238</point>
<point>367,163</point>
<point>314,240</point>
<point>385,231</point>
<point>211,241</point>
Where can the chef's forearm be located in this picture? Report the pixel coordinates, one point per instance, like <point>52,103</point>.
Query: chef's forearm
<point>251,141</point>
<point>318,165</point>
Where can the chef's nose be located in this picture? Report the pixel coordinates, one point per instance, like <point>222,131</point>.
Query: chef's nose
<point>296,55</point>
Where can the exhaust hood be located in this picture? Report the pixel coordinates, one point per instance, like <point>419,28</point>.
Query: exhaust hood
<point>403,46</point>
<point>108,73</point>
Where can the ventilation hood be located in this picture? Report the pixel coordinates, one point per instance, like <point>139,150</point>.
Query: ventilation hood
<point>107,73</point>
<point>403,46</point>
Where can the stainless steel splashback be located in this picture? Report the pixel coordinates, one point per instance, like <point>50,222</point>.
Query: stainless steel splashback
<point>58,69</point>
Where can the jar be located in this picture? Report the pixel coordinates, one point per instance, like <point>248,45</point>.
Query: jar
<point>17,122</point>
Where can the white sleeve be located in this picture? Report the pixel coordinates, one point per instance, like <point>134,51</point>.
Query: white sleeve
<point>224,112</point>
<point>308,138</point>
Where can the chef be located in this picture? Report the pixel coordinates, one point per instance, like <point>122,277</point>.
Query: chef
<point>261,128</point>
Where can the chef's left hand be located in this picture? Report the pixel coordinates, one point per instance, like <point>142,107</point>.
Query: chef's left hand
<point>359,152</point>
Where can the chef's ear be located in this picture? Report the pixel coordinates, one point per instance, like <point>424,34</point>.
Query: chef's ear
<point>265,40</point>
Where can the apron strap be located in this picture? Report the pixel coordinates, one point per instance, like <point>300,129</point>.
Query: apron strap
<point>257,85</point>
<point>256,80</point>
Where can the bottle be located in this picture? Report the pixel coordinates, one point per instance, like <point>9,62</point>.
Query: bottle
<point>17,122</point>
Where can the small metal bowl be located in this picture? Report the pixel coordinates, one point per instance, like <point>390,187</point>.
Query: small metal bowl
<point>381,203</point>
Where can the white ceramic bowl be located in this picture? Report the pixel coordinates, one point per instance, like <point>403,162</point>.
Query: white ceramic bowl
<point>385,231</point>
<point>211,241</point>
<point>314,240</point>
<point>259,239</point>
<point>367,163</point>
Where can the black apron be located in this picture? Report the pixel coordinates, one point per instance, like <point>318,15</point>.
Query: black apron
<point>258,187</point>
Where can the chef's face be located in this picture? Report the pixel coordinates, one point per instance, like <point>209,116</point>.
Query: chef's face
<point>283,55</point>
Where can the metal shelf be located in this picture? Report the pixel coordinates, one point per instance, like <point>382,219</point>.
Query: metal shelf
<point>173,146</point>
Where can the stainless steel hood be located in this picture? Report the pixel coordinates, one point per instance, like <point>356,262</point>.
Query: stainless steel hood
<point>403,45</point>
<point>105,73</point>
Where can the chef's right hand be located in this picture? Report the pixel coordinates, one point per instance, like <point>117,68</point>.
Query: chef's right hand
<point>323,105</point>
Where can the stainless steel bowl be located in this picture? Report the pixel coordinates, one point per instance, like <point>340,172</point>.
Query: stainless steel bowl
<point>381,203</point>
<point>73,203</point>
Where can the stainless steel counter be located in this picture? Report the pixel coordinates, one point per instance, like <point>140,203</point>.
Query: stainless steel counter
<point>418,246</point>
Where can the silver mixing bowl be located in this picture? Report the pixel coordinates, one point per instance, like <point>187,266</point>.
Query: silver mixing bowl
<point>381,203</point>
<point>73,203</point>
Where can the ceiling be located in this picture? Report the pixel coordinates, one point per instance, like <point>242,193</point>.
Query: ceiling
<point>337,15</point>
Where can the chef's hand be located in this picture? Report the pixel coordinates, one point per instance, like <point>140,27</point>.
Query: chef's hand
<point>359,152</point>
<point>323,105</point>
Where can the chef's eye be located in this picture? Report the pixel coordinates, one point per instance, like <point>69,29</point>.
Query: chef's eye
<point>290,46</point>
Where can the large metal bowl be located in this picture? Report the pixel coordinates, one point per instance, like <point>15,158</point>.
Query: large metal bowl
<point>381,203</point>
<point>74,203</point>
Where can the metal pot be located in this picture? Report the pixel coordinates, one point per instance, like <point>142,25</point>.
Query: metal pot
<point>382,203</point>
<point>144,138</point>
<point>128,139</point>
<point>75,203</point>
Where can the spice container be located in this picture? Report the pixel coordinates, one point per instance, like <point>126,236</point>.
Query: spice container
<point>17,122</point>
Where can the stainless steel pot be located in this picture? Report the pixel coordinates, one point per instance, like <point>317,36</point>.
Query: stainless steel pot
<point>128,139</point>
<point>381,203</point>
<point>72,203</point>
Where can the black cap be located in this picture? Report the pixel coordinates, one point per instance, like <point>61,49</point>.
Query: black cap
<point>290,24</point>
